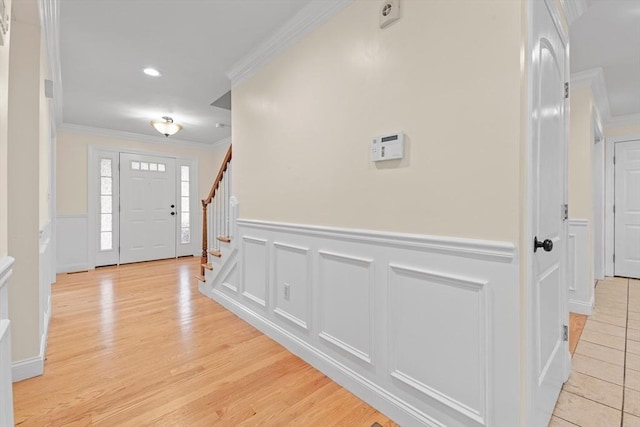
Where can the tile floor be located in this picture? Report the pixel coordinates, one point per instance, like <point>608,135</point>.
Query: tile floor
<point>604,387</point>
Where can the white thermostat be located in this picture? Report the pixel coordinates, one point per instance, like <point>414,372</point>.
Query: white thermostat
<point>387,147</point>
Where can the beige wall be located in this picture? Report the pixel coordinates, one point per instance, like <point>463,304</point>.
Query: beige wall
<point>617,131</point>
<point>581,139</point>
<point>71,179</point>
<point>23,184</point>
<point>447,74</point>
<point>45,143</point>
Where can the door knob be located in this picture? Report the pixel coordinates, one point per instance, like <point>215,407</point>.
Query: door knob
<point>173,213</point>
<point>173,206</point>
<point>547,244</point>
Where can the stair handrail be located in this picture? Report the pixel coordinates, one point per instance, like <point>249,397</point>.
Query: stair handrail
<point>206,202</point>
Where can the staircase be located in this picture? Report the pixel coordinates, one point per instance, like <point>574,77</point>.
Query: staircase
<point>217,227</point>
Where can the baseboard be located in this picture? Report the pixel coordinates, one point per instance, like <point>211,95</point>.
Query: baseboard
<point>34,366</point>
<point>581,307</point>
<point>72,268</point>
<point>392,406</point>
<point>27,368</point>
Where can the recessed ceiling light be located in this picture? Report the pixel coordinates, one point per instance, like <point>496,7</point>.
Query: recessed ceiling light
<point>151,72</point>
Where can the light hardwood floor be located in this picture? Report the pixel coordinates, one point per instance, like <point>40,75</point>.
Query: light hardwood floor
<point>139,345</point>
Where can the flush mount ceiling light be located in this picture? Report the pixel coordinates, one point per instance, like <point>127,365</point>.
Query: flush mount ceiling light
<point>166,126</point>
<point>151,72</point>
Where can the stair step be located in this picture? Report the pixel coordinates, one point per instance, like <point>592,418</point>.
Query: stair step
<point>224,239</point>
<point>215,253</point>
<point>208,266</point>
<point>200,278</point>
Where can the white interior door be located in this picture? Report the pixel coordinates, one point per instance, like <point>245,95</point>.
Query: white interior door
<point>147,208</point>
<point>549,350</point>
<point>627,209</point>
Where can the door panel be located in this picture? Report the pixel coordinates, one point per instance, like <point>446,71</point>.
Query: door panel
<point>147,192</point>
<point>549,308</point>
<point>627,209</point>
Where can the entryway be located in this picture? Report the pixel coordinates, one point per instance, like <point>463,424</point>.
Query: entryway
<point>142,206</point>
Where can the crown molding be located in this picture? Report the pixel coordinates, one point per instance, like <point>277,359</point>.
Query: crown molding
<point>628,120</point>
<point>137,137</point>
<point>573,9</point>
<point>594,79</point>
<point>50,23</point>
<point>304,22</point>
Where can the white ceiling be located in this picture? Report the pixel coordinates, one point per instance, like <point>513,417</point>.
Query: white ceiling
<point>105,44</point>
<point>607,36</point>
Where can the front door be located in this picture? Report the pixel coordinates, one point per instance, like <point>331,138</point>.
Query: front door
<point>627,209</point>
<point>147,208</point>
<point>549,351</point>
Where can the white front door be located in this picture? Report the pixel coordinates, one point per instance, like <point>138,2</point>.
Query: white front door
<point>627,209</point>
<point>147,208</point>
<point>549,350</point>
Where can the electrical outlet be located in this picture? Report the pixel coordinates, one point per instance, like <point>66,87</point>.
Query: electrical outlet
<point>287,291</point>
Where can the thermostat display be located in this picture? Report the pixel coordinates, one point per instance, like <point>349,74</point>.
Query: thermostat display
<point>387,147</point>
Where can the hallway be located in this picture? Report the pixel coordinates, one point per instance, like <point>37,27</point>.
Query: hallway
<point>139,345</point>
<point>604,387</point>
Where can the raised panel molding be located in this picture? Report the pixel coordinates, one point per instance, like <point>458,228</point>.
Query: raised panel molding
<point>378,300</point>
<point>580,282</point>
<point>255,278</point>
<point>72,250</point>
<point>346,303</point>
<point>292,267</point>
<point>441,348</point>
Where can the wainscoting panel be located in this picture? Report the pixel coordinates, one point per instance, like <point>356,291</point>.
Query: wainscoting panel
<point>71,235</point>
<point>579,266</point>
<point>292,284</point>
<point>426,329</point>
<point>255,270</point>
<point>429,331</point>
<point>6,390</point>
<point>346,303</point>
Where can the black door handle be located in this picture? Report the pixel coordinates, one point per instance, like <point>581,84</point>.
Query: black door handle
<point>547,245</point>
<point>173,206</point>
<point>173,213</point>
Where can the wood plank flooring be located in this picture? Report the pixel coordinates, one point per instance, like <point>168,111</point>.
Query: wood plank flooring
<point>139,345</point>
<point>576,325</point>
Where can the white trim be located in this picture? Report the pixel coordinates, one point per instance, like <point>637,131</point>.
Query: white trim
<point>27,368</point>
<point>5,269</point>
<point>628,120</point>
<point>481,249</point>
<point>573,9</point>
<point>579,222</point>
<point>405,413</point>
<point>304,22</point>
<point>50,21</point>
<point>594,79</point>
<point>137,137</point>
<point>581,307</point>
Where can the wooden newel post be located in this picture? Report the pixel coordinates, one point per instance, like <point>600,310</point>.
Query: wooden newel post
<point>205,243</point>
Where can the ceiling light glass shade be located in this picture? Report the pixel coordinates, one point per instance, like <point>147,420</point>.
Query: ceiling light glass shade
<point>151,72</point>
<point>166,126</point>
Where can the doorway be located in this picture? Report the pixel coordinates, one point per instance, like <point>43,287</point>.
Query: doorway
<point>142,206</point>
<point>626,209</point>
